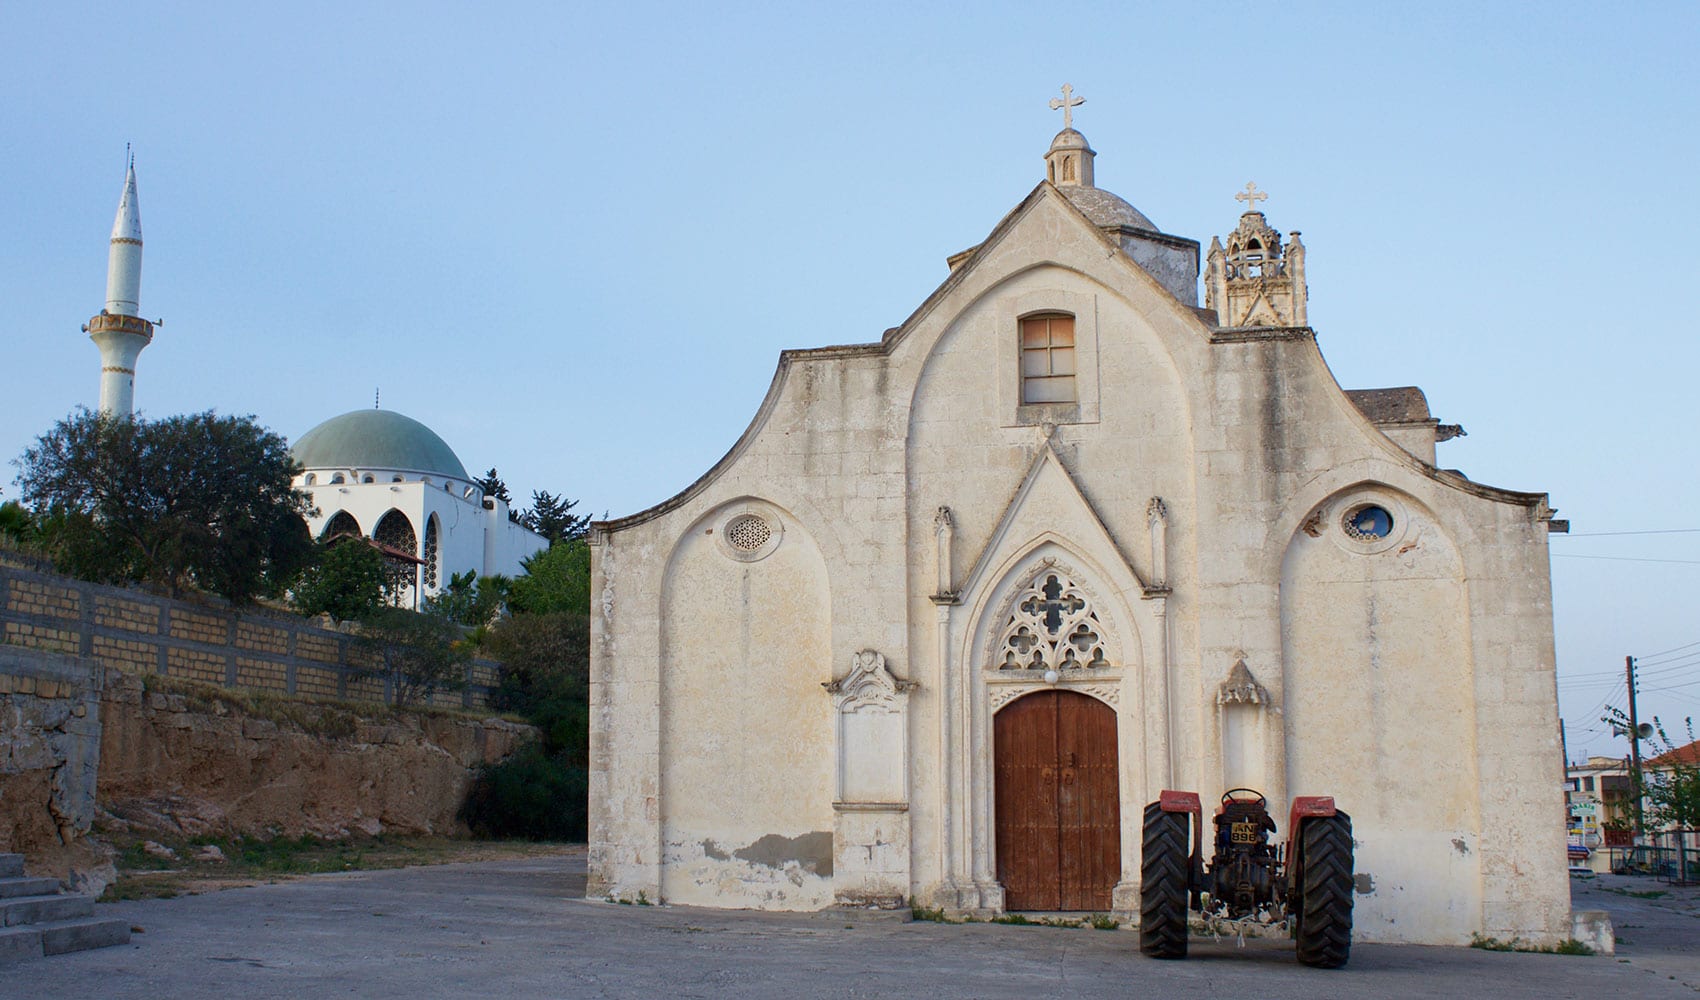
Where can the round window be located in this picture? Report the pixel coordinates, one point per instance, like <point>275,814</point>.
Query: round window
<point>1367,522</point>
<point>748,532</point>
<point>748,535</point>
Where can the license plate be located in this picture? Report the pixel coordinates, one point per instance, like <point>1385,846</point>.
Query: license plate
<point>1243,833</point>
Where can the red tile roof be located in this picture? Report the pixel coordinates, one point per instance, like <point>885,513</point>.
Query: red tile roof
<point>1689,755</point>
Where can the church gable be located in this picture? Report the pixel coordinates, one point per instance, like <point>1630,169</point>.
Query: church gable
<point>1046,229</point>
<point>1049,506</point>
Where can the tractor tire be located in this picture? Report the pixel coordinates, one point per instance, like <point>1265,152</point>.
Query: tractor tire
<point>1163,884</point>
<point>1324,929</point>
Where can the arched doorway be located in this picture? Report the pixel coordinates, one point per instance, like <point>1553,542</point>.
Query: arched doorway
<point>1058,809</point>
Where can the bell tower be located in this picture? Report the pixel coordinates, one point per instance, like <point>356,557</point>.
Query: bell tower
<point>1255,280</point>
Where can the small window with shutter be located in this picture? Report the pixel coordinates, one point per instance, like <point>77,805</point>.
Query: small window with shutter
<point>1047,359</point>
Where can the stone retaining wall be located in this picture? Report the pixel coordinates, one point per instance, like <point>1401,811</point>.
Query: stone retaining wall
<point>191,764</point>
<point>83,747</point>
<point>138,633</point>
<point>49,747</point>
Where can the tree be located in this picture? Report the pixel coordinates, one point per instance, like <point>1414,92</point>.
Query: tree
<point>1672,780</point>
<point>347,580</point>
<point>544,647</point>
<point>493,487</point>
<point>556,579</point>
<point>551,516</point>
<point>546,675</point>
<point>16,525</point>
<point>541,791</point>
<point>473,602</point>
<point>415,653</point>
<point>198,500</point>
<point>470,600</point>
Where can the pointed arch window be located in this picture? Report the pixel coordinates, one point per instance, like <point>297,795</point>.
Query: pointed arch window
<point>395,534</point>
<point>1053,626</point>
<point>430,554</point>
<point>1047,359</point>
<point>341,523</point>
<point>394,531</point>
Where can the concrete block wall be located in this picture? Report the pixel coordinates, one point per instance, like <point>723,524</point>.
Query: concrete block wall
<point>138,633</point>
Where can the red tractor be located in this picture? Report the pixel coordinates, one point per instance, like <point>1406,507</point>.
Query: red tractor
<point>1307,885</point>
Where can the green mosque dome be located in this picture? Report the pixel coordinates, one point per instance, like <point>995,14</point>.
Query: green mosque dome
<point>377,439</point>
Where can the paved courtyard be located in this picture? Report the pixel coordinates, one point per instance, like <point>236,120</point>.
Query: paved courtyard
<point>518,929</point>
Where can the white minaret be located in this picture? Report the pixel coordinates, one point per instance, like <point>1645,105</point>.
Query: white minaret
<point>118,331</point>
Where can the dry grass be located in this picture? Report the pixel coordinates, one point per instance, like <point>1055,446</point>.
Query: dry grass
<point>252,861</point>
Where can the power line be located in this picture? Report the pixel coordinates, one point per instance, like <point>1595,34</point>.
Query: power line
<point>1591,716</point>
<point>1673,687</point>
<point>1674,666</point>
<point>1653,656</point>
<point>1656,531</point>
<point>1685,562</point>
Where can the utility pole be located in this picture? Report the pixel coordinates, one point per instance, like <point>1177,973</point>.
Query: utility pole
<point>1634,745</point>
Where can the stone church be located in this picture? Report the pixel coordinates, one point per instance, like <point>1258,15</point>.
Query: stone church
<point>961,601</point>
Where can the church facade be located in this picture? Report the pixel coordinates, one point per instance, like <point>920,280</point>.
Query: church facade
<point>959,603</point>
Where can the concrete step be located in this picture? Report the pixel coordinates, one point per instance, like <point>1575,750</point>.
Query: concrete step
<point>19,943</point>
<point>10,887</point>
<point>11,865</point>
<point>41,909</point>
<point>61,936</point>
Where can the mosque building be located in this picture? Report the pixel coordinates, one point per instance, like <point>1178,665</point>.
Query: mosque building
<point>372,474</point>
<point>380,475</point>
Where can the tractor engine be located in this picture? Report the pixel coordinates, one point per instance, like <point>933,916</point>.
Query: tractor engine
<point>1245,869</point>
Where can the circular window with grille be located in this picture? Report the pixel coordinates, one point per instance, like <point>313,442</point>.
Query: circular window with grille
<point>748,532</point>
<point>1370,521</point>
<point>748,535</point>
<point>1367,522</point>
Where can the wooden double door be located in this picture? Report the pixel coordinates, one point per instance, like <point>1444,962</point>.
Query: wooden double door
<point>1057,802</point>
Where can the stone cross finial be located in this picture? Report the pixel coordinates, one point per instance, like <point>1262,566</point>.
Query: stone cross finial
<point>1251,196</point>
<point>1066,104</point>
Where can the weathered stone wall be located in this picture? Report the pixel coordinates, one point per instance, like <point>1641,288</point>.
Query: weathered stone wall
<point>228,742</point>
<point>194,763</point>
<point>84,747</point>
<point>139,633</point>
<point>49,748</point>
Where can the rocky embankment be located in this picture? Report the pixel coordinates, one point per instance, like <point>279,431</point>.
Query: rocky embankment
<point>187,762</point>
<point>211,763</point>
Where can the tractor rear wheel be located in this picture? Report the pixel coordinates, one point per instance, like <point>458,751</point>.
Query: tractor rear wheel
<point>1324,931</point>
<point>1163,884</point>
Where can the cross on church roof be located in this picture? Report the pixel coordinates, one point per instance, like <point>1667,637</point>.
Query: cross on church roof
<point>1066,104</point>
<point>1251,196</point>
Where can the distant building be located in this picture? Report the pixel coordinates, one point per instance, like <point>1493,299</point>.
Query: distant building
<point>378,474</point>
<point>1600,810</point>
<point>373,473</point>
<point>1685,755</point>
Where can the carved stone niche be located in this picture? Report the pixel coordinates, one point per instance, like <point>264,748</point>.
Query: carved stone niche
<point>1243,706</point>
<point>871,800</point>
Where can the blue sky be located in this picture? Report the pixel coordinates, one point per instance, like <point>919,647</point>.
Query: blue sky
<point>574,238</point>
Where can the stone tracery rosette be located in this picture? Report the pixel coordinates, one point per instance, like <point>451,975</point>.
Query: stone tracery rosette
<point>1052,624</point>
